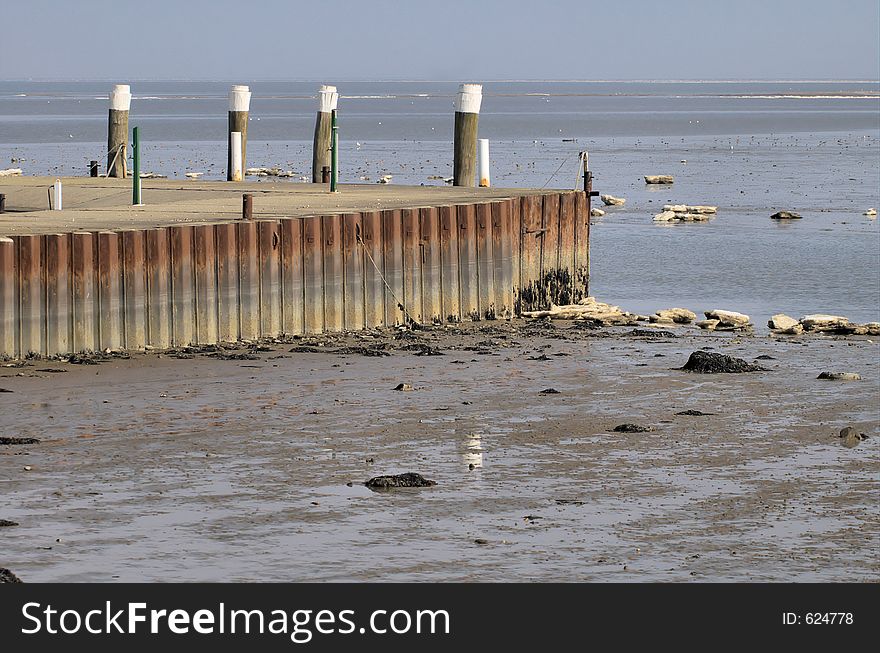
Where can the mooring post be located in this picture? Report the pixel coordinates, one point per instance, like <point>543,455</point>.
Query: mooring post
<point>117,131</point>
<point>334,151</point>
<point>237,162</point>
<point>239,106</point>
<point>247,206</point>
<point>136,172</point>
<point>484,162</point>
<point>467,114</point>
<point>93,168</point>
<point>588,181</point>
<point>56,195</point>
<point>327,101</point>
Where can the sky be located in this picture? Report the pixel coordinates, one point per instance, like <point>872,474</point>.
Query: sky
<point>478,40</point>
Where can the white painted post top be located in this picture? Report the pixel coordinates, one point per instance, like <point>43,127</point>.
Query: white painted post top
<point>469,98</point>
<point>120,97</point>
<point>327,99</point>
<point>239,98</point>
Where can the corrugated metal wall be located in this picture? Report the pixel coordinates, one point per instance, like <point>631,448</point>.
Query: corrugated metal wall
<point>204,284</point>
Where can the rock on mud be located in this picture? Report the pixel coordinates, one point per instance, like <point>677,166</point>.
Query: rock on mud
<point>659,179</point>
<point>409,479</point>
<point>786,215</point>
<point>610,200</point>
<point>404,387</point>
<point>9,440</point>
<point>694,413</point>
<point>850,437</point>
<point>707,362</point>
<point>596,213</point>
<point>839,376</point>
<point>7,576</point>
<point>782,323</point>
<point>632,428</point>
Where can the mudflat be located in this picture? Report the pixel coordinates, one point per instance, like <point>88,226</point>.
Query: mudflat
<point>248,463</point>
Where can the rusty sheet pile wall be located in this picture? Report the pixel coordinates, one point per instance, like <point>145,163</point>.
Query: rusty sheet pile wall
<point>204,284</point>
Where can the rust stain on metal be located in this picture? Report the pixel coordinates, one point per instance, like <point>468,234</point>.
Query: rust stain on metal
<point>451,308</point>
<point>469,278</point>
<point>313,266</point>
<point>432,278</point>
<point>248,281</point>
<point>374,262</point>
<point>8,298</point>
<point>85,292</point>
<point>333,276</point>
<point>270,277</point>
<point>485,262</point>
<point>30,294</point>
<point>412,264</point>
<point>183,314</point>
<point>353,272</point>
<point>292,276</point>
<point>59,307</point>
<point>227,282</point>
<point>205,267</point>
<point>110,302</point>
<point>392,236</point>
<point>502,259</point>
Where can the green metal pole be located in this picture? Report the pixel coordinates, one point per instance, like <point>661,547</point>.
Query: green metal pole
<point>334,153</point>
<point>136,176</point>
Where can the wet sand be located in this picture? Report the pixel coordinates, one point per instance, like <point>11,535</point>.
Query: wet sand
<point>184,467</point>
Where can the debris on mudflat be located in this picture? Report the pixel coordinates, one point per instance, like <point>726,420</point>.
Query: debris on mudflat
<point>707,362</point>
<point>7,576</point>
<point>786,215</point>
<point>850,437</point>
<point>404,387</point>
<point>695,413</point>
<point>632,428</point>
<point>409,479</point>
<point>839,376</point>
<point>480,540</point>
<point>11,440</point>
<point>5,522</point>
<point>659,179</point>
<point>549,391</point>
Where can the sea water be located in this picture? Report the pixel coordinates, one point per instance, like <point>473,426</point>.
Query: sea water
<point>750,148</point>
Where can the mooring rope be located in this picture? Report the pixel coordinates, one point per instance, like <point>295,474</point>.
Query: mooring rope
<point>382,276</point>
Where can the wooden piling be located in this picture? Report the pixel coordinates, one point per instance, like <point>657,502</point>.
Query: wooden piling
<point>248,281</point>
<point>485,262</point>
<point>502,260</point>
<point>333,275</point>
<point>566,264</point>
<point>239,106</point>
<point>110,291</point>
<point>117,131</point>
<point>327,101</point>
<point>467,114</point>
<point>581,281</point>
<point>159,298</point>
<point>353,272</point>
<point>531,238</point>
<point>412,263</point>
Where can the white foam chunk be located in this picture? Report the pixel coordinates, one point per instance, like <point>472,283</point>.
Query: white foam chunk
<point>469,98</point>
<point>239,98</point>
<point>120,97</point>
<point>328,98</point>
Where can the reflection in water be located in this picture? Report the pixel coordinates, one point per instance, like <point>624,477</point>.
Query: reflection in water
<point>473,452</point>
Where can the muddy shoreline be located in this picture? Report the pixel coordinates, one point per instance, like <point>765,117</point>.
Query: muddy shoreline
<point>247,462</point>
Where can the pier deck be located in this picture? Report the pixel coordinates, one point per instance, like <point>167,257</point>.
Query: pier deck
<point>187,269</point>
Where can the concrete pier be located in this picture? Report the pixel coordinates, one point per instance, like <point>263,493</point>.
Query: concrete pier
<point>186,269</point>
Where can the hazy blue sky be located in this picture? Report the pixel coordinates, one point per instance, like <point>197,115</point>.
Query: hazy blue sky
<point>440,39</point>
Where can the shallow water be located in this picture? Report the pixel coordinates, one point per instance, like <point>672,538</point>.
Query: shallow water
<point>750,148</point>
